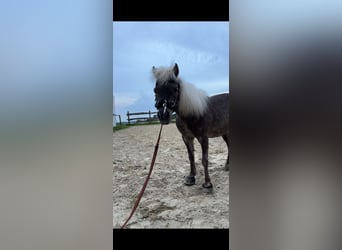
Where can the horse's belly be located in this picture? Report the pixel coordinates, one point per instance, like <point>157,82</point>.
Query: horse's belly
<point>217,132</point>
<point>199,128</point>
<point>212,135</point>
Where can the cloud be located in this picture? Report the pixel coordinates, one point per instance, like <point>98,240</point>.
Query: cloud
<point>214,86</point>
<point>189,55</point>
<point>122,101</point>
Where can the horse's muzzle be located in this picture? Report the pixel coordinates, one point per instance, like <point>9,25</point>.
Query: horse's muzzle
<point>164,115</point>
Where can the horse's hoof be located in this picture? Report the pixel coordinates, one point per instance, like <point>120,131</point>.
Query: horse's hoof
<point>190,180</point>
<point>207,185</point>
<point>207,188</point>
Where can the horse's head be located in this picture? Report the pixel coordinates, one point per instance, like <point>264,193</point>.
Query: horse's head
<point>166,92</point>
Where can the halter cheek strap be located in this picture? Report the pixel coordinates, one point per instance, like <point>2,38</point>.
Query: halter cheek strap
<point>164,106</point>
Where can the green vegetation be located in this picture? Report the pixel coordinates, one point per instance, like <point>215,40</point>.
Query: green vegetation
<point>118,127</point>
<point>123,126</point>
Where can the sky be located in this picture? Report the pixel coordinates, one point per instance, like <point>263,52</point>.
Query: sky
<point>201,50</point>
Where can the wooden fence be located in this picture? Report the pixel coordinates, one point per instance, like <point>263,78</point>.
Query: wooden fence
<point>141,116</point>
<point>119,118</point>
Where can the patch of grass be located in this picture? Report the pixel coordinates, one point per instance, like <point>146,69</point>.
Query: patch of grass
<point>126,125</point>
<point>123,126</point>
<point>119,127</point>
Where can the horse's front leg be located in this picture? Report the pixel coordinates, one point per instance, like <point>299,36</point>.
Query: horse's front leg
<point>205,145</point>
<point>190,179</point>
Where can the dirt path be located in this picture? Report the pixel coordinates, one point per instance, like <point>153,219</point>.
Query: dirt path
<point>167,202</point>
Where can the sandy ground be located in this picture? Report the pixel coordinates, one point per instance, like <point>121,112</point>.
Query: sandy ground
<point>167,202</point>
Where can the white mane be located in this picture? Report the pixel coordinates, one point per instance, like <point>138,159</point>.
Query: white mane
<point>192,100</point>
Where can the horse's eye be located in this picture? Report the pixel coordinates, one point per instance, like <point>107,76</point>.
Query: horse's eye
<point>175,89</point>
<point>158,104</point>
<point>172,104</point>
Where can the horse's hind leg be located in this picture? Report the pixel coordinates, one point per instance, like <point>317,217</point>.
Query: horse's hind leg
<point>190,179</point>
<point>225,138</point>
<point>204,145</point>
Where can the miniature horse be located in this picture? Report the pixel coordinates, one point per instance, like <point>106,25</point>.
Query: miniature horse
<point>198,116</point>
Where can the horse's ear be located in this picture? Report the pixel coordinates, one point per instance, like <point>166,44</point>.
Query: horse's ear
<point>175,69</point>
<point>153,70</point>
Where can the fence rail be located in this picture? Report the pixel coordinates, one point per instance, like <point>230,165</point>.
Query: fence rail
<point>141,116</point>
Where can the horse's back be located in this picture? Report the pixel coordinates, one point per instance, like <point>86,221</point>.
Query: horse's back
<point>220,99</point>
<point>219,105</point>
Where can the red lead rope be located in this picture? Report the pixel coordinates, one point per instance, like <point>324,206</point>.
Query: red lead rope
<point>146,181</point>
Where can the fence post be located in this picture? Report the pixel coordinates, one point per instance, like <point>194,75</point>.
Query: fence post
<point>128,117</point>
<point>120,119</point>
<point>149,114</point>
